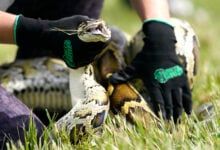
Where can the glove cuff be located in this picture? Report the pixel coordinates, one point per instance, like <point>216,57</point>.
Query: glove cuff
<point>27,31</point>
<point>157,26</point>
<point>158,20</point>
<point>15,28</point>
<point>159,37</point>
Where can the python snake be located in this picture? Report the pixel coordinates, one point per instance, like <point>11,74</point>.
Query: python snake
<point>43,82</point>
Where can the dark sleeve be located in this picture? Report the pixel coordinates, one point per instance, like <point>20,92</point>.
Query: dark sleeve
<point>56,9</point>
<point>14,118</point>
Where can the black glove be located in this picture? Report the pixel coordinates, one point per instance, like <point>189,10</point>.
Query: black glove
<point>157,64</point>
<point>38,33</point>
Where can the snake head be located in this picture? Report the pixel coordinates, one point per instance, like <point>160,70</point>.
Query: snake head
<point>94,31</point>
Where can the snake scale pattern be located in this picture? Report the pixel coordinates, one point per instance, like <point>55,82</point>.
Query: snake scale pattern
<point>85,92</point>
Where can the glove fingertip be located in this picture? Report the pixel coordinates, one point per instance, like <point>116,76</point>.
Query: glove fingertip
<point>116,79</point>
<point>122,76</point>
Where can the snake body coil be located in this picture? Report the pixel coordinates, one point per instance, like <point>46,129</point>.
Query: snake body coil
<point>43,82</point>
<point>91,109</point>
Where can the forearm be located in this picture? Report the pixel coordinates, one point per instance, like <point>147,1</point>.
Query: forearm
<point>148,9</point>
<point>6,27</point>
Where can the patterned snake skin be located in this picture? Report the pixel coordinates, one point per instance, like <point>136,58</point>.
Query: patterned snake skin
<point>47,83</point>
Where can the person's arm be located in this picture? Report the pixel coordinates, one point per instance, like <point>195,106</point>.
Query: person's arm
<point>6,27</point>
<point>148,9</point>
<point>37,33</point>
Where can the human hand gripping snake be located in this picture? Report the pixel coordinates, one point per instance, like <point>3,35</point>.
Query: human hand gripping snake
<point>91,94</point>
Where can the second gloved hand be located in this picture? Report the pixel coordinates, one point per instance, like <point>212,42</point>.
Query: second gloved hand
<point>38,33</point>
<point>158,66</point>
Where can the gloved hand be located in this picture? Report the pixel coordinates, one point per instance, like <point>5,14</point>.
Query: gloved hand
<point>158,66</point>
<point>38,33</point>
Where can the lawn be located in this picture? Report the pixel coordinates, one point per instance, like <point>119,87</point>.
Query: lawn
<point>192,133</point>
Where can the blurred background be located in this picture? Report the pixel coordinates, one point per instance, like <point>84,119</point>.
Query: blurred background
<point>203,16</point>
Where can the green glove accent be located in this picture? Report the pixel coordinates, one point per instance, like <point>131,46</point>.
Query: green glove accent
<point>15,28</point>
<point>158,20</point>
<point>68,53</point>
<point>163,75</point>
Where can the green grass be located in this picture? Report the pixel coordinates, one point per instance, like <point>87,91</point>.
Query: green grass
<point>7,53</point>
<point>122,15</point>
<point>191,134</point>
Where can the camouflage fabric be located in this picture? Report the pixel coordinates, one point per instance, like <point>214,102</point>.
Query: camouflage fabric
<point>14,119</point>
